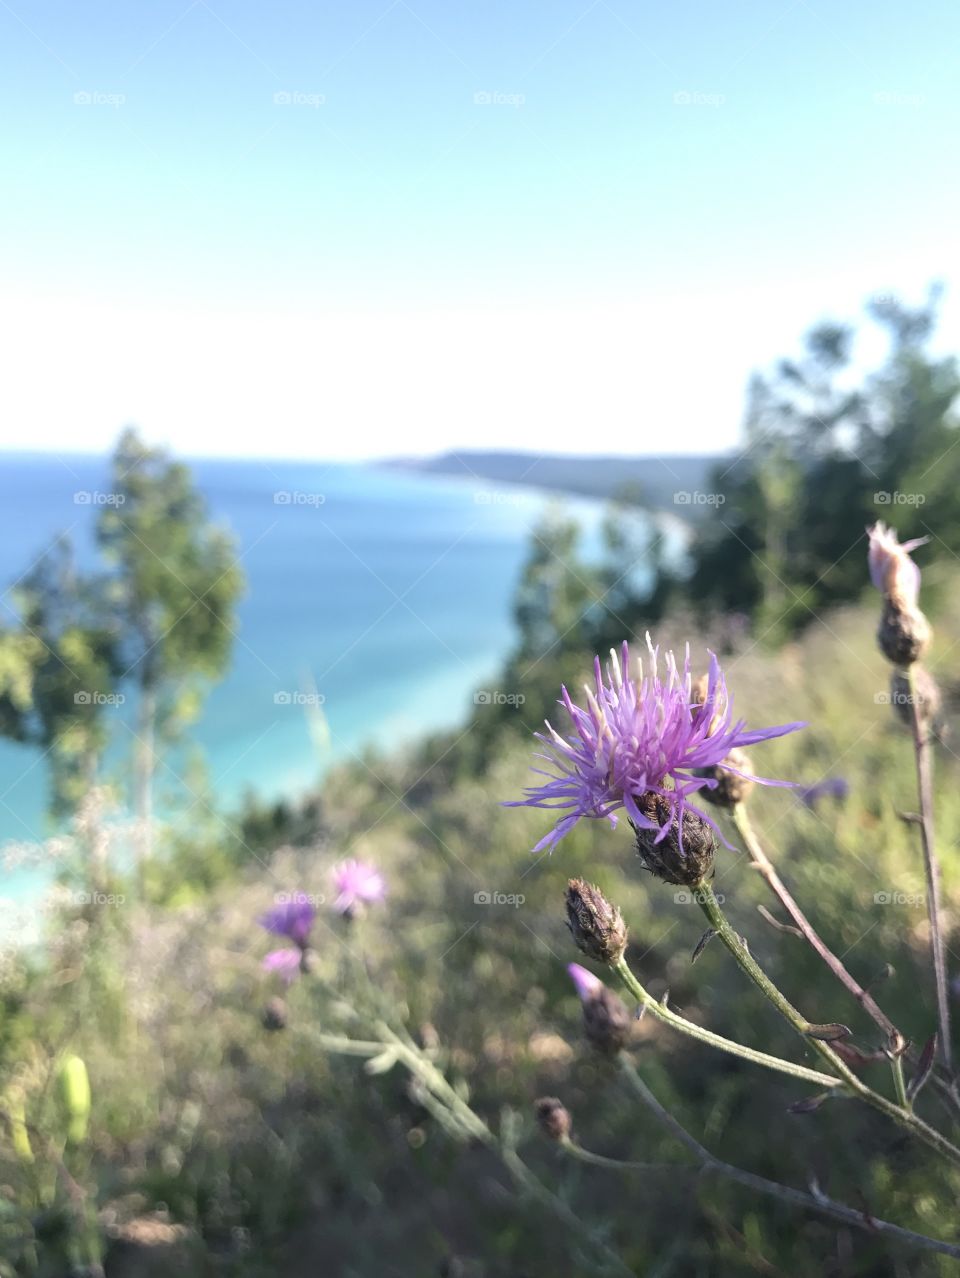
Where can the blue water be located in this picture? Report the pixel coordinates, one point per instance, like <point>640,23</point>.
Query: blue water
<point>388,593</point>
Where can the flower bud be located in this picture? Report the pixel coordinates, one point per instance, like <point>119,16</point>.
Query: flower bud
<point>553,1117</point>
<point>904,633</point>
<point>924,688</point>
<point>274,1015</point>
<point>731,788</point>
<point>597,926</point>
<point>606,1021</point>
<point>74,1085</point>
<point>682,856</point>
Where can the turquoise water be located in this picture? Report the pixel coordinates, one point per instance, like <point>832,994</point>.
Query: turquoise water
<point>386,593</point>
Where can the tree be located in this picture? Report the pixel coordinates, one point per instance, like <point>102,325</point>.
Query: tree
<point>174,584</point>
<point>823,458</point>
<point>58,668</point>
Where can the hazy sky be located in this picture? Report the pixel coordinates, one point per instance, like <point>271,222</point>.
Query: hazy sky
<point>317,229</point>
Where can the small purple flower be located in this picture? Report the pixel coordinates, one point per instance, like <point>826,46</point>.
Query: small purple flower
<point>286,963</point>
<point>829,788</point>
<point>587,984</point>
<point>357,883</point>
<point>640,736</point>
<point>892,570</point>
<point>292,917</point>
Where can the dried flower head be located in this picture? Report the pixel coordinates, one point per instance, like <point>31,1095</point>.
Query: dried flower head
<point>676,851</point>
<point>553,1117</point>
<point>904,634</point>
<point>733,780</point>
<point>606,1021</point>
<point>597,926</point>
<point>892,570</point>
<point>638,736</point>
<point>274,1015</point>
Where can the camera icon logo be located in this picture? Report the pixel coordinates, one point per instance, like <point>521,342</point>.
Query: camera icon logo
<point>482,898</point>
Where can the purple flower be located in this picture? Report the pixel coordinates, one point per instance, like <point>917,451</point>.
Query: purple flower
<point>292,917</point>
<point>587,984</point>
<point>828,788</point>
<point>357,883</point>
<point>891,568</point>
<point>285,962</point>
<point>640,736</point>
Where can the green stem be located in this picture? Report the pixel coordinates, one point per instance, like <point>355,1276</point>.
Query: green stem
<point>677,1022</point>
<point>905,1117</point>
<point>931,866</point>
<point>771,1188</point>
<point>896,1065</point>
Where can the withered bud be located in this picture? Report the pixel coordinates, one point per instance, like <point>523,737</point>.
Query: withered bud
<point>688,864</point>
<point>606,1022</point>
<point>597,926</point>
<point>926,693</point>
<point>731,788</point>
<point>274,1015</point>
<point>553,1117</point>
<point>904,633</point>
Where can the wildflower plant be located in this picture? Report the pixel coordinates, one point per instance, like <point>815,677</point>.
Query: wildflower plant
<point>655,746</point>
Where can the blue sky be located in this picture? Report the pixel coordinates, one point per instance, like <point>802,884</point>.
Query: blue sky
<point>315,229</point>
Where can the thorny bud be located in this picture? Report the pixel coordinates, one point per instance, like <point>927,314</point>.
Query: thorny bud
<point>274,1015</point>
<point>929,702</point>
<point>904,633</point>
<point>606,1021</point>
<point>597,926</point>
<point>684,858</point>
<point>731,788</point>
<point>553,1117</point>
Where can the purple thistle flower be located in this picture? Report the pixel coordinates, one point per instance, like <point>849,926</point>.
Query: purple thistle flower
<point>828,788</point>
<point>357,883</point>
<point>292,918</point>
<point>640,736</point>
<point>892,570</point>
<point>285,962</point>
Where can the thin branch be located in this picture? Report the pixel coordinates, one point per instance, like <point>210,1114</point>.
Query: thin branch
<point>931,865</point>
<point>817,1202</point>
